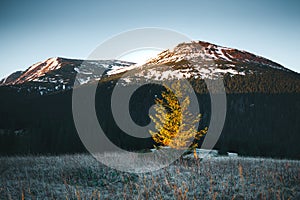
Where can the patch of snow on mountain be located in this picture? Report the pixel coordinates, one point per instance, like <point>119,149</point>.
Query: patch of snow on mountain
<point>84,80</point>
<point>34,66</point>
<point>208,72</point>
<point>221,54</point>
<point>121,69</point>
<point>189,51</point>
<point>40,69</point>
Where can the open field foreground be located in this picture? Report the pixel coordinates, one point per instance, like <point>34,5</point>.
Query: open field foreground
<point>82,177</point>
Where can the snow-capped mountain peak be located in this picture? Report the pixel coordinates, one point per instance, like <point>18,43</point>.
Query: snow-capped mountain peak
<point>194,49</point>
<point>199,60</point>
<point>49,64</point>
<point>210,52</point>
<point>39,69</point>
<point>193,60</point>
<point>56,74</point>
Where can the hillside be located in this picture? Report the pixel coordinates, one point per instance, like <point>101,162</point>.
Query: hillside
<point>263,100</point>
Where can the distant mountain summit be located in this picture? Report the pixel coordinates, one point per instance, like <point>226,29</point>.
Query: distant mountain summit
<point>56,74</point>
<point>241,71</point>
<point>204,51</point>
<point>197,60</point>
<point>56,70</point>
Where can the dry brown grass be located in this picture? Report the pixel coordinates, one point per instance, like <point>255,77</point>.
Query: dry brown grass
<point>82,177</point>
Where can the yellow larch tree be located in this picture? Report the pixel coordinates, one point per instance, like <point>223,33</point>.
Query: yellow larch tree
<point>175,126</point>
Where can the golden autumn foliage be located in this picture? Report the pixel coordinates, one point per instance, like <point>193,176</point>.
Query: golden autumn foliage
<point>175,126</point>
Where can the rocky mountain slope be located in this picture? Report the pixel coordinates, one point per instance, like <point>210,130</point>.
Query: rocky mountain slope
<point>241,71</point>
<point>58,74</point>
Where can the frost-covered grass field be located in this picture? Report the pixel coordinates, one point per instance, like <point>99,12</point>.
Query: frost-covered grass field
<point>82,177</point>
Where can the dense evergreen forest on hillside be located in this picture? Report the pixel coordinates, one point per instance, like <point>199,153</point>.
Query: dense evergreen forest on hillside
<point>257,123</point>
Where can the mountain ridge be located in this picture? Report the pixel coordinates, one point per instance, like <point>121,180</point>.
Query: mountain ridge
<point>263,102</point>
<point>195,60</point>
<point>213,51</point>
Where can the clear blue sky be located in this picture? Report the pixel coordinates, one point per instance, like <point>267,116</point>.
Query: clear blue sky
<point>33,31</point>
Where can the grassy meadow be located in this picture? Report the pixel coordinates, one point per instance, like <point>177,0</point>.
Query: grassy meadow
<point>83,177</point>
